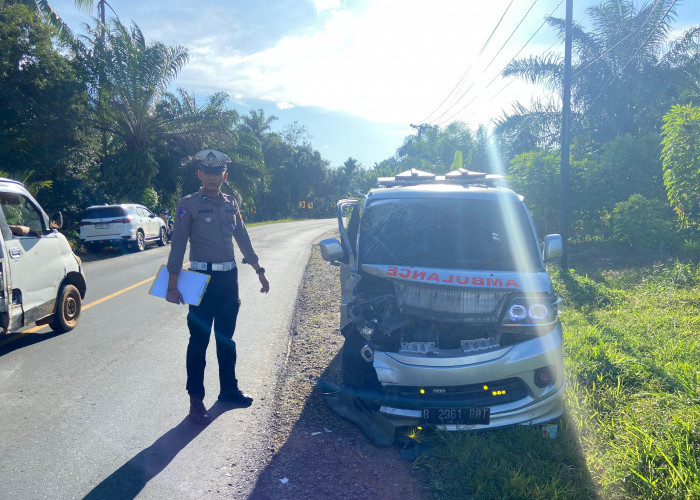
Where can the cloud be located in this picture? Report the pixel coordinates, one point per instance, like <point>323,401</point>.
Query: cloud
<point>323,5</point>
<point>394,61</point>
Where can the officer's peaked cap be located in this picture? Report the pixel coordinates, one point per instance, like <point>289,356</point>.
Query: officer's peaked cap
<point>211,160</point>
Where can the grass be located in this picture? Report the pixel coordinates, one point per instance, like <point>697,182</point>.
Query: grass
<point>632,423</point>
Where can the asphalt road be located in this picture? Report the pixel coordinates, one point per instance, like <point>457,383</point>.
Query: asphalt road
<point>99,412</point>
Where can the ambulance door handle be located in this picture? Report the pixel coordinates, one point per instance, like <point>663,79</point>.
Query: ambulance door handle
<point>15,252</point>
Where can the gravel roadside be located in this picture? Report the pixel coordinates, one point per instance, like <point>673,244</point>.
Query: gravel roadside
<point>314,453</point>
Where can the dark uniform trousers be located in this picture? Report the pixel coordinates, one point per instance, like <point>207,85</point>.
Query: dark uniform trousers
<point>219,306</point>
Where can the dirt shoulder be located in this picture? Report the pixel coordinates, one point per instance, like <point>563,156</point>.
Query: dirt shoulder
<point>317,454</point>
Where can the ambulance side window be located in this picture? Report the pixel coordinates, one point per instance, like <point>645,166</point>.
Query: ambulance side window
<point>21,215</point>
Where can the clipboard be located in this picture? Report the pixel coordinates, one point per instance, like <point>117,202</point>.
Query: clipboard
<point>191,285</point>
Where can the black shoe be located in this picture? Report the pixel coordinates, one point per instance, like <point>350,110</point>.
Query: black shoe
<point>236,397</point>
<point>198,413</point>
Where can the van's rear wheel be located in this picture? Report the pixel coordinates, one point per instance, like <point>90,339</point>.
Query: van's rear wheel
<point>67,310</point>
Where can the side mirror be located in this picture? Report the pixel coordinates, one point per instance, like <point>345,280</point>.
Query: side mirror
<point>56,221</point>
<point>331,250</point>
<point>553,247</point>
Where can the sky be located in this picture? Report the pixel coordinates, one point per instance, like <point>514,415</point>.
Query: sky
<point>356,73</point>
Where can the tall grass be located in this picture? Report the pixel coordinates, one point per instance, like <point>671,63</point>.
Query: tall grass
<point>633,366</point>
<point>632,422</point>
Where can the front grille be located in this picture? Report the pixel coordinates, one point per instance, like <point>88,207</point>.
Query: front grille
<point>473,395</point>
<point>453,301</point>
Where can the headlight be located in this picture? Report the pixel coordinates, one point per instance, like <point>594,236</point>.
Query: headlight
<point>538,312</point>
<point>530,314</point>
<point>517,312</point>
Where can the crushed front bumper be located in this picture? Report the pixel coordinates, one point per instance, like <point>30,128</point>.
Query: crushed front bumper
<point>502,381</point>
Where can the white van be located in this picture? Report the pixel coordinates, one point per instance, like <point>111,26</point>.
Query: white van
<point>42,280</point>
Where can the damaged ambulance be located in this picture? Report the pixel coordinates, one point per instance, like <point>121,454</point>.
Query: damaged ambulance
<point>448,313</point>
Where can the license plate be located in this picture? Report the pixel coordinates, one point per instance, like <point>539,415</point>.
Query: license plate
<point>102,226</point>
<point>459,416</point>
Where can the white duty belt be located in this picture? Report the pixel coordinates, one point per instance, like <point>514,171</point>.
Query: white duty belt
<point>212,266</point>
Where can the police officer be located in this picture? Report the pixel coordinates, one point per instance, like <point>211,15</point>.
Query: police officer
<point>211,220</point>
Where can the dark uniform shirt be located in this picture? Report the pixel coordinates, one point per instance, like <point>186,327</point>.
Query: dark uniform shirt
<point>211,224</point>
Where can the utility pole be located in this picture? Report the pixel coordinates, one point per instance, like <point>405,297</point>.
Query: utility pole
<point>565,139</point>
<point>100,75</point>
<point>420,128</point>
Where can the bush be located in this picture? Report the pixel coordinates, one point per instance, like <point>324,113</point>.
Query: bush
<point>640,222</point>
<point>149,198</point>
<point>681,162</point>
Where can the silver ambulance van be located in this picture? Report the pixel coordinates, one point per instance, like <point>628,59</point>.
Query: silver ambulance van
<point>41,279</point>
<point>448,313</point>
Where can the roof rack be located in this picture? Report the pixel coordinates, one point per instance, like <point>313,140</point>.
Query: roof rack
<point>460,176</point>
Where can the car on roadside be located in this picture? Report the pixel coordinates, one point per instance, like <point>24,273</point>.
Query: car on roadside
<point>41,280</point>
<point>125,224</point>
<point>449,315</point>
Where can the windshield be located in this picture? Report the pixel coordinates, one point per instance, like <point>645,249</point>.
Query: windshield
<point>104,212</point>
<point>449,234</point>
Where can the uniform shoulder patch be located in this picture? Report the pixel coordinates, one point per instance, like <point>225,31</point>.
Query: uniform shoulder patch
<point>181,212</point>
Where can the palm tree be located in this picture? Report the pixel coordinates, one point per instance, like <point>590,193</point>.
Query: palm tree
<point>127,76</point>
<point>45,10</point>
<point>191,128</point>
<point>257,123</point>
<point>24,177</point>
<point>620,66</point>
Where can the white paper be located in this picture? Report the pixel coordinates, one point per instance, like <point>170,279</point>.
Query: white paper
<point>191,285</point>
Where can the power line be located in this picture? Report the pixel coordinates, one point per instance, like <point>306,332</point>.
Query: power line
<point>467,71</point>
<point>424,120</point>
<point>488,65</point>
<point>650,35</point>
<point>512,59</point>
<point>525,45</point>
<point>512,80</point>
<point>511,35</point>
<point>494,30</point>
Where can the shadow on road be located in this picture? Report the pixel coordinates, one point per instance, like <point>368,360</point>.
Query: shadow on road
<point>107,252</point>
<point>126,482</point>
<point>326,456</point>
<point>20,340</point>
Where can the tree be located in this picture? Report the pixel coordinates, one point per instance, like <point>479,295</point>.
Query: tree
<point>257,124</point>
<point>681,162</point>
<point>535,175</point>
<point>43,105</point>
<point>434,149</point>
<point>294,172</point>
<point>638,212</point>
<point>190,128</point>
<point>47,13</point>
<point>127,77</point>
<point>625,166</point>
<point>481,160</point>
<point>619,82</point>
